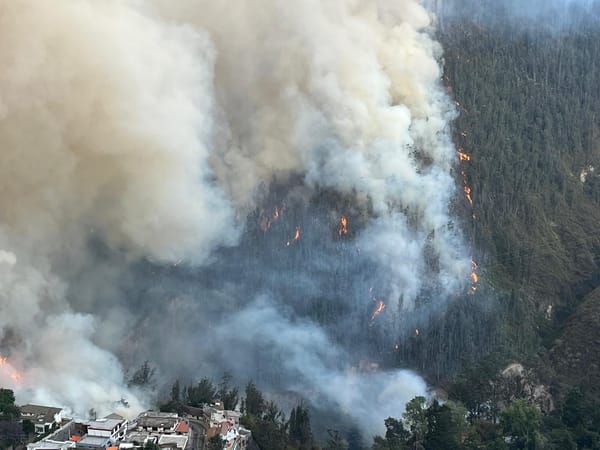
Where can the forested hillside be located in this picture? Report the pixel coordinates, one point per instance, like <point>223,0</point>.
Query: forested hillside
<point>518,357</point>
<point>529,119</point>
<point>528,93</point>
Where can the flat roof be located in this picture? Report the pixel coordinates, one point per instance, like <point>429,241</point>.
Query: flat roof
<point>48,444</point>
<point>105,424</point>
<point>93,441</point>
<point>179,441</point>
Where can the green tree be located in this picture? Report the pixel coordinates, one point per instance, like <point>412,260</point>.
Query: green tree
<point>143,376</point>
<point>396,436</point>
<point>355,439</point>
<point>228,395</point>
<point>521,422</point>
<point>255,402</point>
<point>176,392</point>
<point>335,441</point>
<point>299,428</point>
<point>215,443</point>
<point>8,410</point>
<point>443,431</point>
<point>415,417</point>
<point>202,393</point>
<point>28,427</point>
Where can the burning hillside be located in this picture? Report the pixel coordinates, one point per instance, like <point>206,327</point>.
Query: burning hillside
<point>181,176</point>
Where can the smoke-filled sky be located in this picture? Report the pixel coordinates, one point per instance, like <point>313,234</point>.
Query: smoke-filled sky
<point>145,147</point>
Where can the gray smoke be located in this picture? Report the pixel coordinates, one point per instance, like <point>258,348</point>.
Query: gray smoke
<point>144,145</point>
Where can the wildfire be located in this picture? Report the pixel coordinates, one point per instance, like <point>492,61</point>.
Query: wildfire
<point>295,238</point>
<point>462,155</point>
<point>468,196</point>
<point>9,371</point>
<point>474,277</point>
<point>267,221</point>
<point>343,231</point>
<point>380,307</point>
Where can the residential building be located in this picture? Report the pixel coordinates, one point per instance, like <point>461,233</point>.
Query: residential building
<point>44,418</point>
<point>172,441</point>
<point>113,427</point>
<point>158,422</point>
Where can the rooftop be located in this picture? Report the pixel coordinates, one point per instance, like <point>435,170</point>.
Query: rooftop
<point>136,436</point>
<point>105,424</point>
<point>114,416</point>
<point>47,412</point>
<point>179,441</point>
<point>93,441</point>
<point>52,445</point>
<point>157,420</point>
<point>182,427</point>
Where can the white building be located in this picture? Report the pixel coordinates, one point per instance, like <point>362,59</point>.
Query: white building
<point>48,444</point>
<point>112,427</point>
<point>172,441</point>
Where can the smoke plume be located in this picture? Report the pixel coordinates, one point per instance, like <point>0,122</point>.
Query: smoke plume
<point>173,176</point>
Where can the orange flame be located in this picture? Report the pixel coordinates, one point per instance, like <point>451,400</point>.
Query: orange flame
<point>474,277</point>
<point>378,310</point>
<point>467,191</point>
<point>343,231</point>
<point>295,238</point>
<point>8,370</point>
<point>267,221</point>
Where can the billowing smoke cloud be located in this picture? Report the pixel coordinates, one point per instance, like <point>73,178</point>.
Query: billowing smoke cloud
<point>143,145</point>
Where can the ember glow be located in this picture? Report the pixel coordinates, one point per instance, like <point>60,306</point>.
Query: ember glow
<point>378,310</point>
<point>268,220</point>
<point>343,230</point>
<point>462,155</point>
<point>295,238</point>
<point>474,277</point>
<point>7,371</point>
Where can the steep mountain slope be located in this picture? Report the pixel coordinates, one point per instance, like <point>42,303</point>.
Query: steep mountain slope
<point>575,355</point>
<point>529,122</point>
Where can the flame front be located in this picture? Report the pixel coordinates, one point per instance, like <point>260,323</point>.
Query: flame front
<point>8,371</point>
<point>295,238</point>
<point>380,307</point>
<point>268,220</point>
<point>474,277</point>
<point>343,231</point>
<point>462,155</point>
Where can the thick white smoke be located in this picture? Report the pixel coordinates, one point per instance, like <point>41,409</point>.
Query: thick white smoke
<point>148,127</point>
